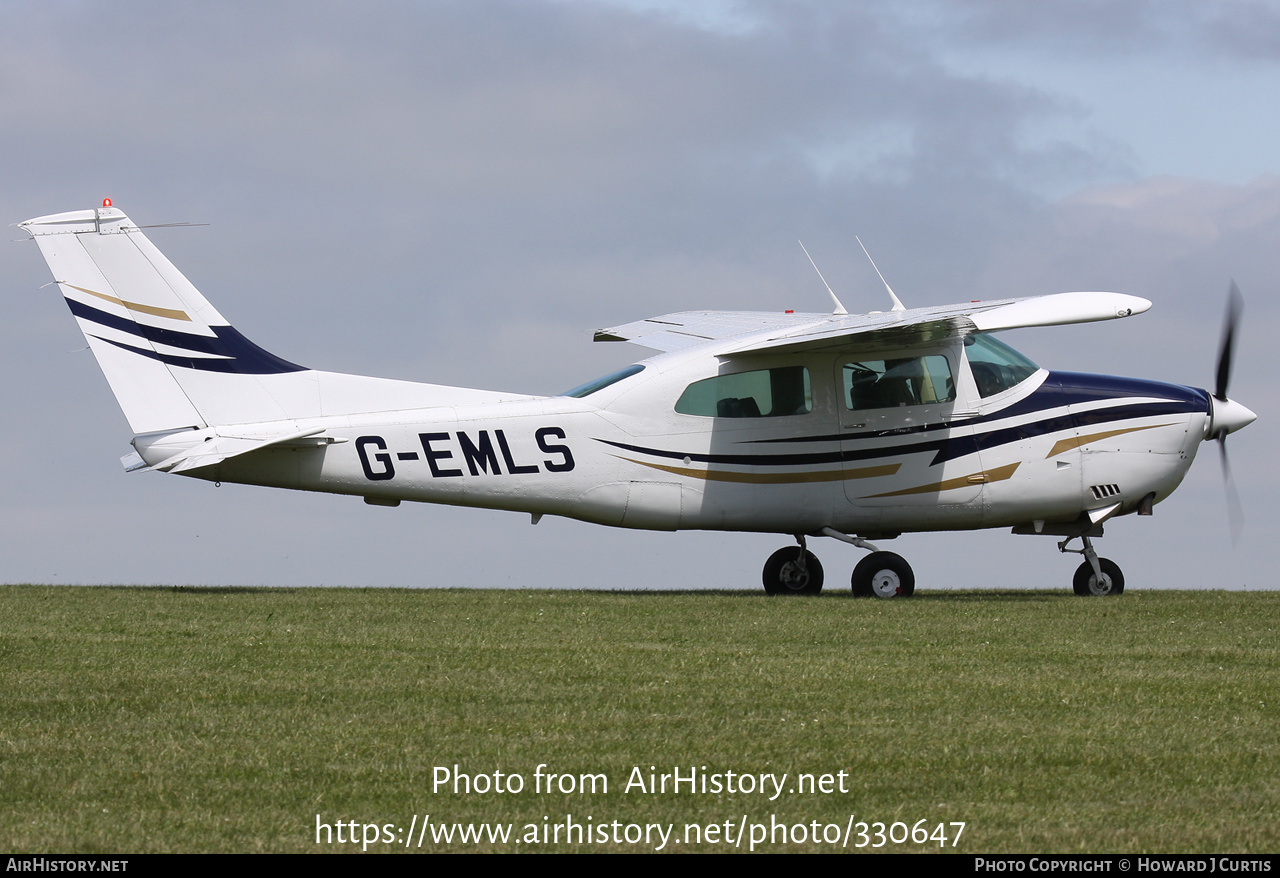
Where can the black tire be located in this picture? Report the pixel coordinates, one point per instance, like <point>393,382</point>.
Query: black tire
<point>883,575</point>
<point>1086,582</point>
<point>782,573</point>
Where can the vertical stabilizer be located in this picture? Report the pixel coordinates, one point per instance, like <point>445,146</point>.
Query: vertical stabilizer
<point>171,359</point>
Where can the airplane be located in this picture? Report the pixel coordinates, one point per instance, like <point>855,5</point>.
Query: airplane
<point>854,427</point>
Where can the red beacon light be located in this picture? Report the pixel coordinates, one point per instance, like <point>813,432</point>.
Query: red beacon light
<point>106,202</point>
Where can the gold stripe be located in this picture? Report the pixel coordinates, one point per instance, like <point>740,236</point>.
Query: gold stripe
<point>837,475</point>
<point>999,474</point>
<point>1067,444</point>
<point>134,306</point>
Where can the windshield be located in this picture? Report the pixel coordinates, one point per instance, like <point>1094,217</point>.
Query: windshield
<point>996,367</point>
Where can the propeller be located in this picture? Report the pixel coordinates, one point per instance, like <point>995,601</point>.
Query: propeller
<point>1235,305</point>
<point>1229,416</point>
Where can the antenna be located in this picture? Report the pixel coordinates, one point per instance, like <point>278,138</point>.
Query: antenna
<point>897,303</point>
<point>839,309</point>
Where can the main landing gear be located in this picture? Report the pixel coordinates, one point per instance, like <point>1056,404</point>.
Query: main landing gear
<point>796,570</point>
<point>1096,576</point>
<point>793,571</point>
<point>883,575</point>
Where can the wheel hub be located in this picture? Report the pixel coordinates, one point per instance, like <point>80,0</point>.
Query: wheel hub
<point>886,584</point>
<point>793,576</point>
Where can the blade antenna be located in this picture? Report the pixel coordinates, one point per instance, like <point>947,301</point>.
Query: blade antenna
<point>839,309</point>
<point>897,303</point>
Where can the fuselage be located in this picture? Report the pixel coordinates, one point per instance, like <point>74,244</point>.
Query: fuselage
<point>964,446</point>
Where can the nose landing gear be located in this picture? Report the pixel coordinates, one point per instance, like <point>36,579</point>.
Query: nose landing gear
<point>1096,576</point>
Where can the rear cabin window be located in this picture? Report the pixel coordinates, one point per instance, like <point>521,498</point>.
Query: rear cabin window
<point>897,381</point>
<point>995,366</point>
<point>766,393</point>
<point>601,383</point>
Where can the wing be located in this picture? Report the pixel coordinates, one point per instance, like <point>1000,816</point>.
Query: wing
<point>674,332</point>
<point>744,332</point>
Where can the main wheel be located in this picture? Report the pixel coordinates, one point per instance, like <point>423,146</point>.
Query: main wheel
<point>784,575</point>
<point>885,575</point>
<point>1086,581</point>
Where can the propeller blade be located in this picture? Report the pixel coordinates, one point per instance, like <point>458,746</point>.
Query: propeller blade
<point>1235,304</point>
<point>1235,511</point>
<point>1231,414</point>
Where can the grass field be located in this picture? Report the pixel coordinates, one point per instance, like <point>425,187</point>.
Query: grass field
<point>157,719</point>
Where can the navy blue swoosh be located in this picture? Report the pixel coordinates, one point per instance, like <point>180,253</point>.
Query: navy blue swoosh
<point>242,356</point>
<point>248,363</point>
<point>1059,389</point>
<point>1072,389</point>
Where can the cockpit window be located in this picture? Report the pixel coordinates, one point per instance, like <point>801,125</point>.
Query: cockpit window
<point>897,381</point>
<point>766,393</point>
<point>996,367</point>
<point>601,383</point>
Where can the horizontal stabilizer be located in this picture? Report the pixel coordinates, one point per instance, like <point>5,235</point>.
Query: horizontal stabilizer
<point>219,447</point>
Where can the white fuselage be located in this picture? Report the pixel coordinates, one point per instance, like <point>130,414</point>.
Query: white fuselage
<point>1049,449</point>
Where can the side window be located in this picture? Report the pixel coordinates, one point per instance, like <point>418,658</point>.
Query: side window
<point>601,383</point>
<point>899,381</point>
<point>995,366</point>
<point>766,393</point>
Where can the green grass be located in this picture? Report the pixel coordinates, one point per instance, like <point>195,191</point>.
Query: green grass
<point>135,720</point>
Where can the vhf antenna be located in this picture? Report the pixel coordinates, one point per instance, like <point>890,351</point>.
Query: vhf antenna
<point>897,303</point>
<point>840,309</point>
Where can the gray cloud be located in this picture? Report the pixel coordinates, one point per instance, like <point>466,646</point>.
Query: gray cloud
<point>1223,29</point>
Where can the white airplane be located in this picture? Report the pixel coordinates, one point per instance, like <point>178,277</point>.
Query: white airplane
<point>855,427</point>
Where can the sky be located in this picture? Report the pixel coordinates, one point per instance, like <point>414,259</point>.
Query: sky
<point>461,192</point>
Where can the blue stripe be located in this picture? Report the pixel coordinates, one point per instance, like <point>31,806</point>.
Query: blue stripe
<point>1059,391</point>
<point>241,355</point>
<point>242,365</point>
<point>1080,388</point>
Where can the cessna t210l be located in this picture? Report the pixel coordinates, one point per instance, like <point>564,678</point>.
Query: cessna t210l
<point>855,427</point>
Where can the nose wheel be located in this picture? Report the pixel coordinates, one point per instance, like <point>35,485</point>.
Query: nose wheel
<point>1096,577</point>
<point>1087,583</point>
